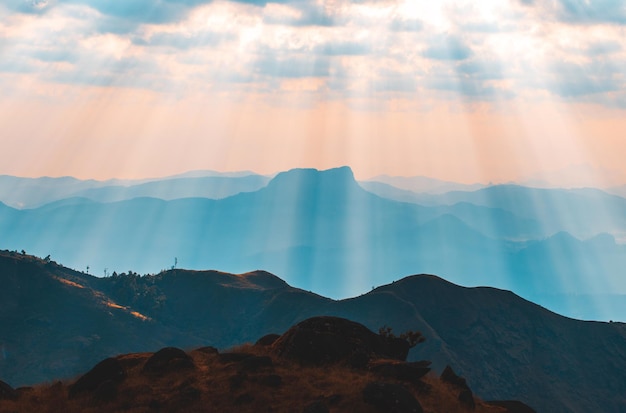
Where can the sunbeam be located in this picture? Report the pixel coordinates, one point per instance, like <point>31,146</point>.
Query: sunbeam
<point>505,116</point>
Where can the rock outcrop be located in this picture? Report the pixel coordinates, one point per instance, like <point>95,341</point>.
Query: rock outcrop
<point>325,340</point>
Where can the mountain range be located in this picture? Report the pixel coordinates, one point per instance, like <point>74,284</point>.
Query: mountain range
<point>323,232</point>
<point>56,323</point>
<point>27,193</point>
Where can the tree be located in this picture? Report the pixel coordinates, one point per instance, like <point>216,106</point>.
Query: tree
<point>412,337</point>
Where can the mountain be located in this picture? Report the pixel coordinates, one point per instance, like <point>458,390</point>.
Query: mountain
<point>318,227</point>
<point>55,322</point>
<point>297,371</point>
<point>495,222</point>
<point>214,187</point>
<point>31,192</point>
<point>583,213</point>
<point>574,176</point>
<point>420,184</point>
<point>617,190</point>
<point>205,173</point>
<point>25,193</point>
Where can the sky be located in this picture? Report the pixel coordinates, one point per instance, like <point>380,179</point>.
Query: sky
<point>468,91</point>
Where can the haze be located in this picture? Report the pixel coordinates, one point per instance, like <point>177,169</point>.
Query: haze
<point>461,91</point>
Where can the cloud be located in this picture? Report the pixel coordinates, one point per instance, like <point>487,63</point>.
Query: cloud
<point>29,6</point>
<point>299,14</point>
<point>184,41</point>
<point>481,69</point>
<point>406,25</point>
<point>395,82</point>
<point>468,88</point>
<point>293,67</point>
<point>571,80</point>
<point>603,48</point>
<point>592,11</point>
<point>343,49</point>
<point>471,51</point>
<point>447,48</point>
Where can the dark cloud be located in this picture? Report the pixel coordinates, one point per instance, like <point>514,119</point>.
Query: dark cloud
<point>448,48</point>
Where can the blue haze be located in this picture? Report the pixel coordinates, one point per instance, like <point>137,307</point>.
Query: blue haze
<point>321,231</point>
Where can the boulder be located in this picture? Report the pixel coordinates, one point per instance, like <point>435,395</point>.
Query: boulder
<point>207,350</point>
<point>465,397</point>
<point>449,376</point>
<point>107,370</point>
<point>267,340</point>
<point>326,340</point>
<point>168,359</point>
<point>391,398</point>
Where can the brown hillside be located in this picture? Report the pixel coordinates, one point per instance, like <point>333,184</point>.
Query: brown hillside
<point>221,384</point>
<point>258,378</point>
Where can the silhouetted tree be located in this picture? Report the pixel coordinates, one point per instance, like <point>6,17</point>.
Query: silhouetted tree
<point>412,337</point>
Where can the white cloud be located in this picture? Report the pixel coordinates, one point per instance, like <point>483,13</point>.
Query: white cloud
<point>345,49</point>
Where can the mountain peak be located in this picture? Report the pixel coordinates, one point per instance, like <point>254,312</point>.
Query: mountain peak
<point>330,181</point>
<point>343,173</point>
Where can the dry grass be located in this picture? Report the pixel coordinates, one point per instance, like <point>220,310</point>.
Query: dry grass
<point>216,386</point>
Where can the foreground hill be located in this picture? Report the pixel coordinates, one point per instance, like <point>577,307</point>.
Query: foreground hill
<point>319,365</point>
<point>55,322</point>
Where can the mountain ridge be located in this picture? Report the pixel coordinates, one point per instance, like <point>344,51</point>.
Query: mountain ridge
<point>506,347</point>
<point>314,227</point>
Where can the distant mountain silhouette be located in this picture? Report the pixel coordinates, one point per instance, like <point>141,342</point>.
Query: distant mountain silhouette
<point>419,184</point>
<point>581,212</point>
<point>214,187</point>
<point>618,190</point>
<point>55,322</point>
<point>34,192</point>
<point>318,227</point>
